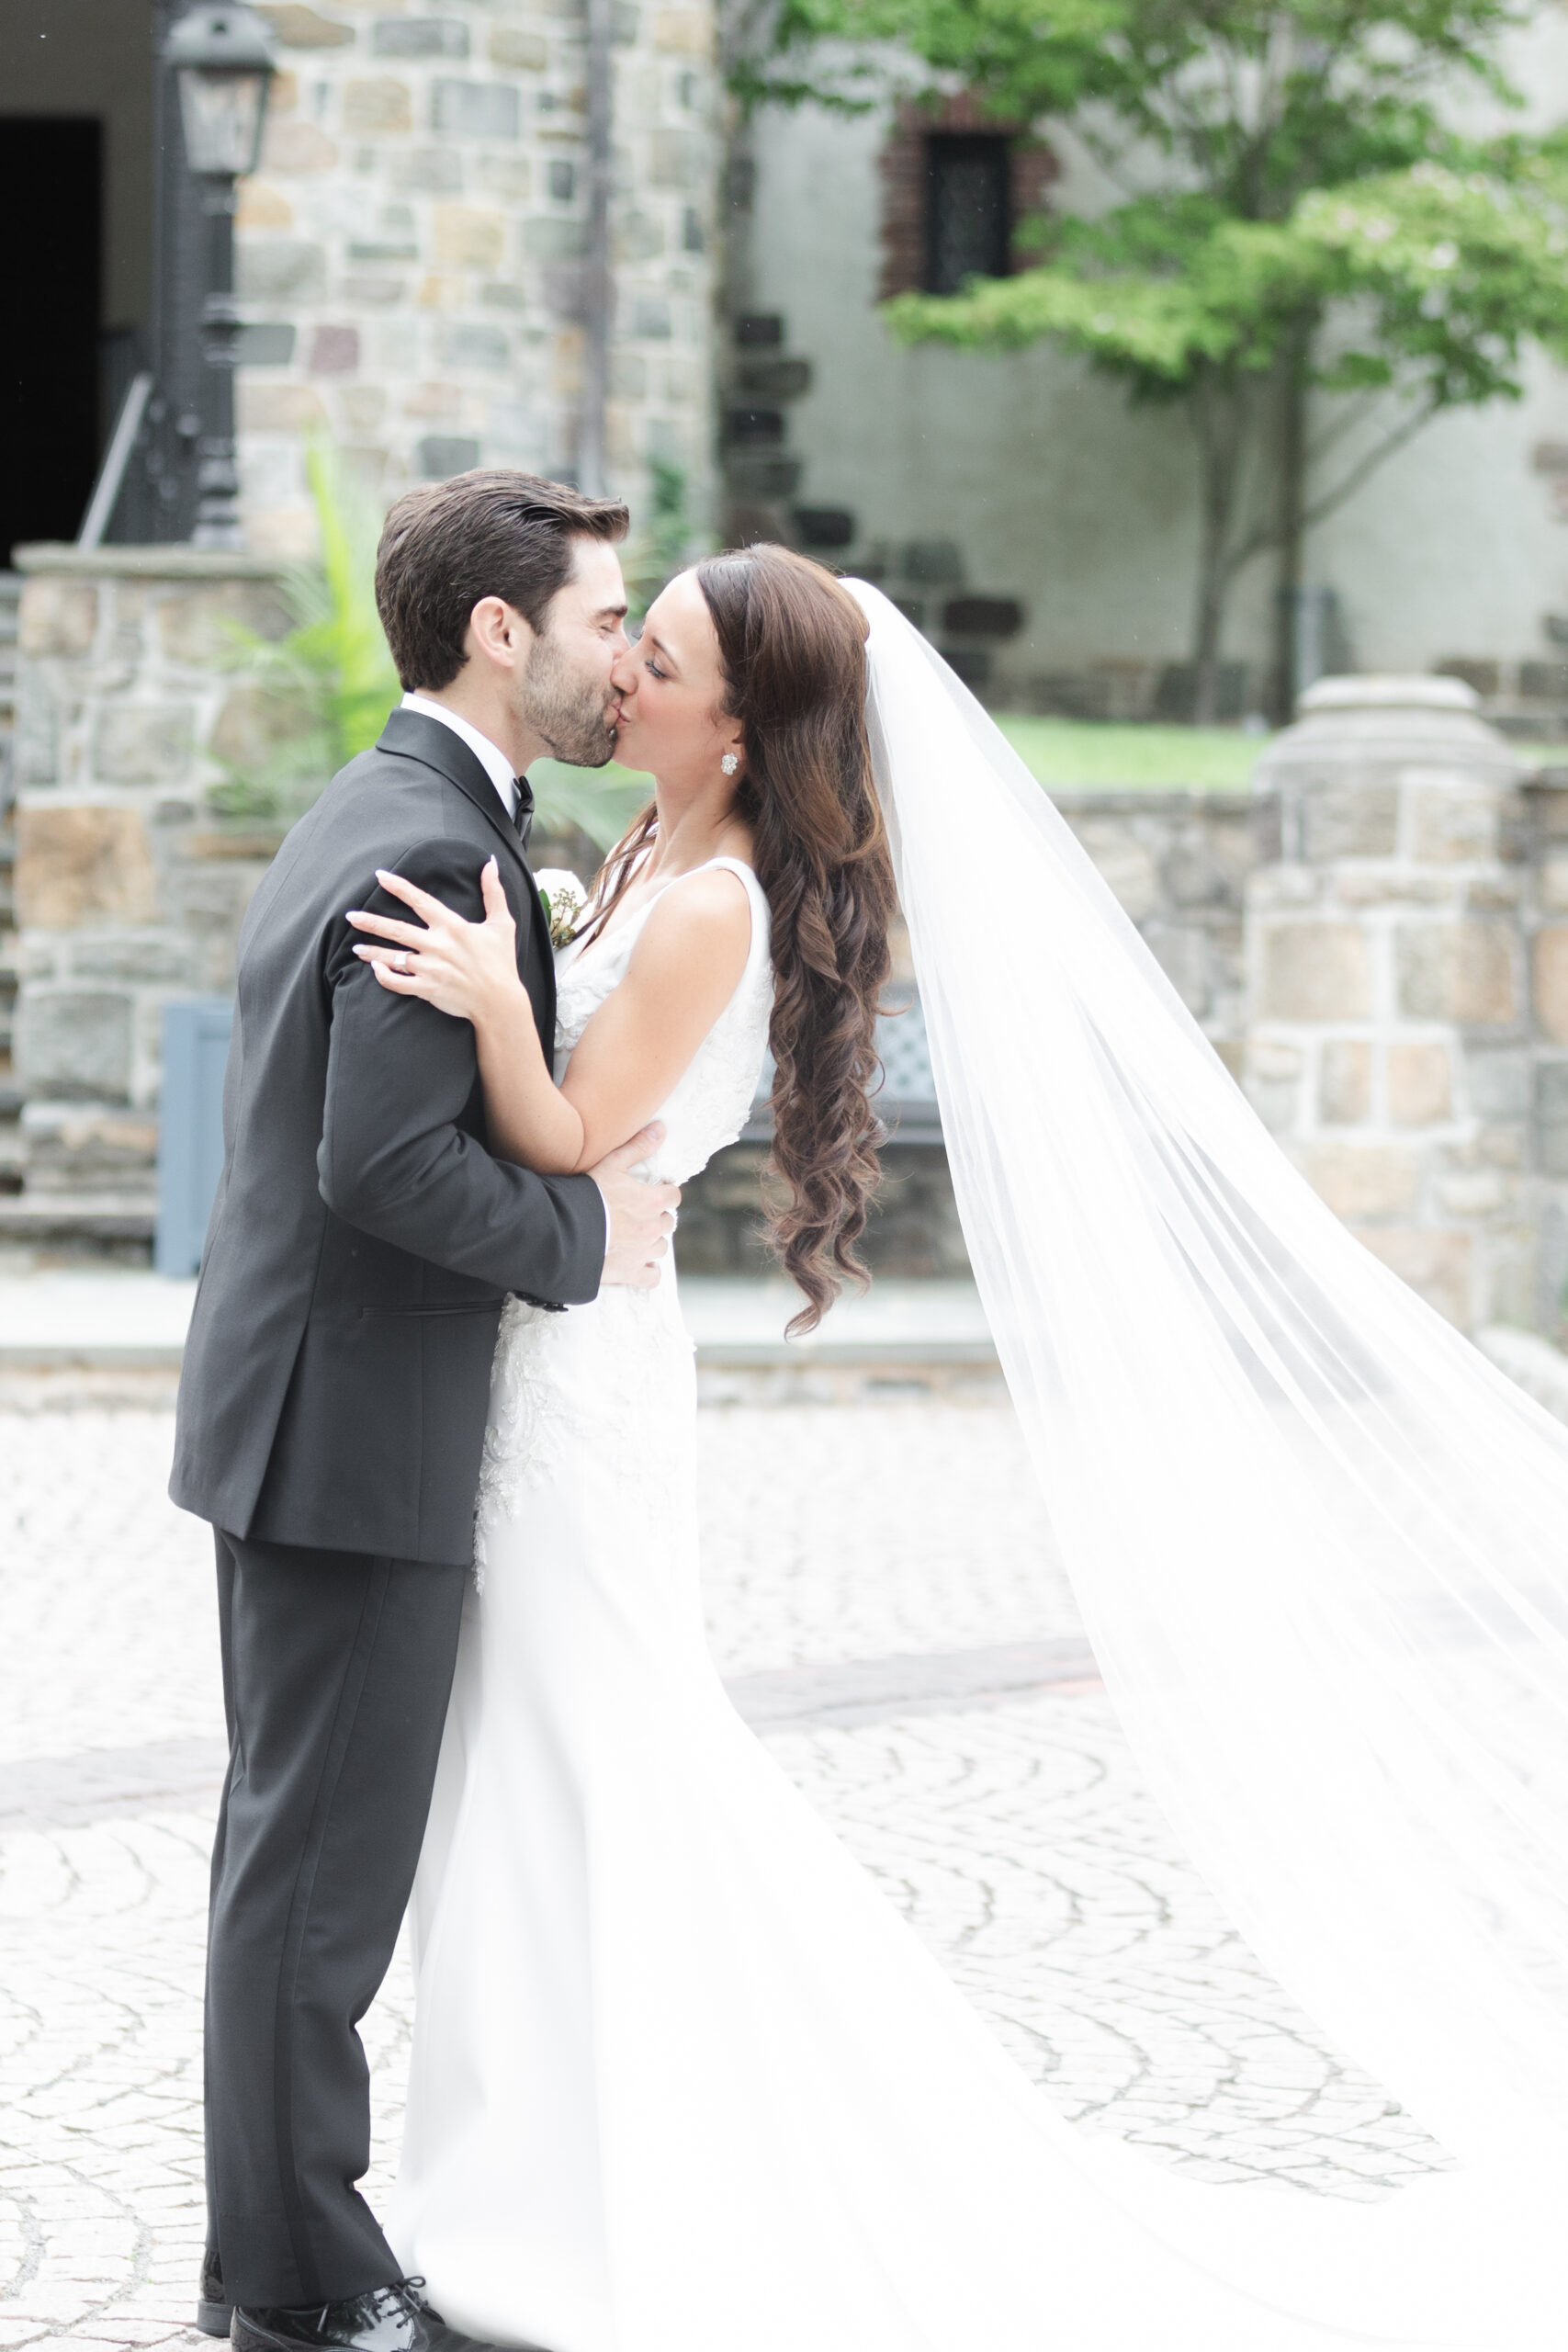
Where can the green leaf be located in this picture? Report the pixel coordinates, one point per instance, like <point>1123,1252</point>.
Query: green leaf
<point>363,682</point>
<point>330,681</point>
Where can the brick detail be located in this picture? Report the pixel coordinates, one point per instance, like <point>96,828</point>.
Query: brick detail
<point>903,169</point>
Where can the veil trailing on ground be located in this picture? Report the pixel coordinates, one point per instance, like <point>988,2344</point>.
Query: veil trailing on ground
<point>1319,1543</point>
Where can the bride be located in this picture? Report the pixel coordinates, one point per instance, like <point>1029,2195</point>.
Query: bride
<point>682,2081</point>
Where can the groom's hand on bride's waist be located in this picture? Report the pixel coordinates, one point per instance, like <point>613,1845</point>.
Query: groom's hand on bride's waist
<point>640,1215</point>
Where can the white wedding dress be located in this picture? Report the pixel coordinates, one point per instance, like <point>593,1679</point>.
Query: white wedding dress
<point>681,2080</point>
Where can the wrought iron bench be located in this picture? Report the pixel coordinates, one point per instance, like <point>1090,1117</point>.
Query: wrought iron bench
<point>907,1104</point>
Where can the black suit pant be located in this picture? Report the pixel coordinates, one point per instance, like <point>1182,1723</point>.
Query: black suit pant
<point>337,1668</point>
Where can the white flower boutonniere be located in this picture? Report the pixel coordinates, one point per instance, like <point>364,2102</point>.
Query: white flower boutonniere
<point>564,898</point>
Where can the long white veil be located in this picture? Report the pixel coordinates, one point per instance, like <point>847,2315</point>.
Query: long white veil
<point>1319,1543</point>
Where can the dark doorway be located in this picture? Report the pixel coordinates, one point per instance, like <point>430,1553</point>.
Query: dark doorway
<point>51,199</point>
<point>968,208</point>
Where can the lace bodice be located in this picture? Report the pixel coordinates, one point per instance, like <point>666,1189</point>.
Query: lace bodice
<point>709,1105</point>
<point>609,1382</point>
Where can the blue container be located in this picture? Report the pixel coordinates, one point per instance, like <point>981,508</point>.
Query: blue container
<point>190,1130</point>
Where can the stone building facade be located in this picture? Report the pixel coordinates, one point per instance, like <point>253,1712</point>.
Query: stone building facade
<point>410,254</point>
<point>1407,990</point>
<point>410,262</point>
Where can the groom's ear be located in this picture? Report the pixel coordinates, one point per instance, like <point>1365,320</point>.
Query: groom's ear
<point>497,636</point>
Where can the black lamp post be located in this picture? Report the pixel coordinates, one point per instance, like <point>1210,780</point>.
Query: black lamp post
<point>221,59</point>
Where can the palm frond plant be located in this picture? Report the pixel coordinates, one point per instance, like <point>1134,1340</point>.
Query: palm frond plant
<point>321,693</point>
<point>341,635</point>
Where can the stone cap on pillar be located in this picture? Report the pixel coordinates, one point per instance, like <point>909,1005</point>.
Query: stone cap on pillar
<point>1388,693</point>
<point>175,561</point>
<point>1382,721</point>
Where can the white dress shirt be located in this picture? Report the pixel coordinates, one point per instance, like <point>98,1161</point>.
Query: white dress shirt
<point>491,758</point>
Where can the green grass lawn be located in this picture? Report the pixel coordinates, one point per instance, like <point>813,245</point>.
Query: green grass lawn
<point>1074,754</point>
<point>1066,754</point>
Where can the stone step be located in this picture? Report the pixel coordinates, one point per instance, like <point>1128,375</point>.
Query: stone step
<point>111,1318</point>
<point>1530,723</point>
<point>87,1218</point>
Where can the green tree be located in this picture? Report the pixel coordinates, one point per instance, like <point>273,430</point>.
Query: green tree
<point>1298,213</point>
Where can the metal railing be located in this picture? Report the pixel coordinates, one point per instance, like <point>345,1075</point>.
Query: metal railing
<point>907,1104</point>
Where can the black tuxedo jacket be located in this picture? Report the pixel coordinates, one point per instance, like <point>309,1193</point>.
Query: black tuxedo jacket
<point>336,1375</point>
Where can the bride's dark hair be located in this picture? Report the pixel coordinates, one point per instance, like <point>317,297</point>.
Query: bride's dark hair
<point>792,649</point>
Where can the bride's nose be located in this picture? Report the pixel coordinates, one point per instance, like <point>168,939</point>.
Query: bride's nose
<point>623,673</point>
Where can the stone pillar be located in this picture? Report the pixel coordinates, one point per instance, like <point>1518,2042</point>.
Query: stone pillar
<point>1390,1036</point>
<point>130,886</point>
<point>1546,925</point>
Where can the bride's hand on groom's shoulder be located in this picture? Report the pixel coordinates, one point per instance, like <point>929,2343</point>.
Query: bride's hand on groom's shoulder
<point>467,970</point>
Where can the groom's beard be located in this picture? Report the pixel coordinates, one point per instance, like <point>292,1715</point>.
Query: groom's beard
<point>571,715</point>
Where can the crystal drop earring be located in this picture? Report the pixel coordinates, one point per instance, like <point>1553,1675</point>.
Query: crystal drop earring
<point>729,764</point>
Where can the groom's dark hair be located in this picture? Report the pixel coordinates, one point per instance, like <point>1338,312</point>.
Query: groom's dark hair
<point>490,533</point>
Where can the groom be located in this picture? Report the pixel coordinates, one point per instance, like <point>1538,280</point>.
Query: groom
<point>332,1404</point>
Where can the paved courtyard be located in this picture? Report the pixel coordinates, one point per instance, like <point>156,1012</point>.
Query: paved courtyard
<point>882,1597</point>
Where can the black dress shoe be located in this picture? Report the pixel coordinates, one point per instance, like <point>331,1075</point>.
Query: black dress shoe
<point>214,2311</point>
<point>387,2319</point>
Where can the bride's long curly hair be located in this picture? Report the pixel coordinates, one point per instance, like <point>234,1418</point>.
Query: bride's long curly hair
<point>792,649</point>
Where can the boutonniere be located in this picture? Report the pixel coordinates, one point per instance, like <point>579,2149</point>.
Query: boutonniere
<point>563,899</point>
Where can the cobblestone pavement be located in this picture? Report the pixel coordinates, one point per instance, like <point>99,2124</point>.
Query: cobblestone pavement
<point>1008,1822</point>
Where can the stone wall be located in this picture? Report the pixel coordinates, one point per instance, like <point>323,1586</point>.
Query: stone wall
<point>1408,980</point>
<point>1180,864</point>
<point>914,1231</point>
<point>131,890</point>
<point>128,889</point>
<point>410,253</point>
<point>1544,1082</point>
<point>1375,938</point>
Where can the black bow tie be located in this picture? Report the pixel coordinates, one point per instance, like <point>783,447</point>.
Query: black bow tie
<point>523,813</point>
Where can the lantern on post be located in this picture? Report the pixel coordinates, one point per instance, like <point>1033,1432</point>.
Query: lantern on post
<point>222,61</point>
